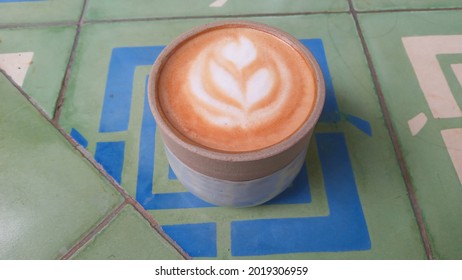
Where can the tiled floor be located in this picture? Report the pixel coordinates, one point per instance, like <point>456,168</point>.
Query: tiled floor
<point>382,179</point>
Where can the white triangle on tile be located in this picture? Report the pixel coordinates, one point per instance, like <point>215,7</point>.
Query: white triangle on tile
<point>218,3</point>
<point>16,65</point>
<point>417,123</point>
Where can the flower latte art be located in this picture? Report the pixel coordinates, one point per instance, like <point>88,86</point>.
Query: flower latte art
<point>236,89</point>
<point>231,91</point>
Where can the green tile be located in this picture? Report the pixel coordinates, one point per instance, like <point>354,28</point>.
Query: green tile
<point>398,43</point>
<point>50,48</point>
<point>33,11</point>
<point>365,5</point>
<point>49,196</point>
<point>209,232</point>
<point>128,237</point>
<point>118,9</point>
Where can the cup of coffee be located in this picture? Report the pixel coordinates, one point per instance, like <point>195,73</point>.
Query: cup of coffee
<point>236,103</point>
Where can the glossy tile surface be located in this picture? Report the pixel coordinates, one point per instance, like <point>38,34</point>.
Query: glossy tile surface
<point>49,196</point>
<point>118,9</point>
<point>418,57</point>
<point>112,56</point>
<point>48,50</point>
<point>128,237</point>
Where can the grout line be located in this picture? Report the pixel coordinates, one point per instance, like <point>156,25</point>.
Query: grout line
<point>211,17</point>
<point>155,225</point>
<point>28,97</point>
<point>37,25</point>
<point>264,15</point>
<point>394,138</point>
<point>409,10</point>
<point>87,156</point>
<point>92,233</point>
<point>60,100</point>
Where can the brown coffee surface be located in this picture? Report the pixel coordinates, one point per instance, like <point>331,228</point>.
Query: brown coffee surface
<point>236,89</point>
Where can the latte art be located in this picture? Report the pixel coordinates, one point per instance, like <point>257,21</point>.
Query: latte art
<point>227,95</point>
<point>236,89</point>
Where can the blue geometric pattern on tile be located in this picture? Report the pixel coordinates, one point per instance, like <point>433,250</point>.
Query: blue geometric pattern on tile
<point>171,173</point>
<point>78,137</point>
<point>111,156</point>
<point>198,240</point>
<point>344,229</point>
<point>361,124</point>
<point>118,94</point>
<point>331,112</point>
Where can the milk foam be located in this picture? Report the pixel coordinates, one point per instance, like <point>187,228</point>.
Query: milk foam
<point>226,62</point>
<point>240,90</point>
<point>241,53</point>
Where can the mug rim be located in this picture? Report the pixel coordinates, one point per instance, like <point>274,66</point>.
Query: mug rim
<point>266,152</point>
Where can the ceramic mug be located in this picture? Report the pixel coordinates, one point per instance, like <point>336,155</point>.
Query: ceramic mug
<point>236,103</point>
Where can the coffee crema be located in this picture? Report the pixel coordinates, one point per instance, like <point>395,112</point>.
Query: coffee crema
<point>236,89</point>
